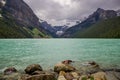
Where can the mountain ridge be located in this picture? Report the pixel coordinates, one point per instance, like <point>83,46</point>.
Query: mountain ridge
<point>98,15</point>
<point>109,28</point>
<point>18,12</point>
<point>17,16</point>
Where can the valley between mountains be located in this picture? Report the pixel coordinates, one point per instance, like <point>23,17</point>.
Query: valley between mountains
<point>17,20</point>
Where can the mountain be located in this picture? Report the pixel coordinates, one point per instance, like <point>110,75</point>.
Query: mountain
<point>18,17</point>
<point>109,28</point>
<point>49,29</point>
<point>55,31</point>
<point>118,12</point>
<point>98,15</point>
<point>59,30</point>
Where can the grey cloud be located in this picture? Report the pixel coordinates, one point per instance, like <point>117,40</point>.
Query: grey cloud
<point>77,9</point>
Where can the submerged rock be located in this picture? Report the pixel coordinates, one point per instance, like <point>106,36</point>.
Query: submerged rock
<point>93,63</point>
<point>10,70</point>
<point>32,68</point>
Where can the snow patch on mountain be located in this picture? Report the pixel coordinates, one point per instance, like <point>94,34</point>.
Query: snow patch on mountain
<point>118,12</point>
<point>3,2</point>
<point>0,15</point>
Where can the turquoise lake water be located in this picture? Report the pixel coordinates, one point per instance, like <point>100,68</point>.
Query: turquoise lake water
<point>47,52</point>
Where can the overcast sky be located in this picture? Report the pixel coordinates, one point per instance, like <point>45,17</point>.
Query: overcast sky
<point>58,12</point>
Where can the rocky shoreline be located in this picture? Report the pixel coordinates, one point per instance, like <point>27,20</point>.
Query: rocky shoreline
<point>63,70</point>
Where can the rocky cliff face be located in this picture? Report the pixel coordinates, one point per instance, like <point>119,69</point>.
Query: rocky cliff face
<point>21,15</point>
<point>50,30</point>
<point>54,31</point>
<point>101,14</point>
<point>98,15</point>
<point>21,12</point>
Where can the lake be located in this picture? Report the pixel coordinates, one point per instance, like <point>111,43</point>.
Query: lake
<point>47,52</point>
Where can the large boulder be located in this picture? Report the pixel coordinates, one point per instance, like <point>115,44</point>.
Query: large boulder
<point>10,70</point>
<point>76,75</point>
<point>113,75</point>
<point>68,75</point>
<point>62,76</point>
<point>63,67</point>
<point>89,67</point>
<point>13,76</point>
<point>32,68</point>
<point>99,76</point>
<point>39,76</point>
